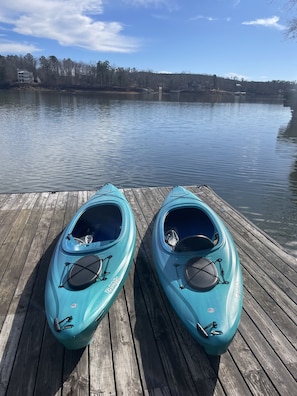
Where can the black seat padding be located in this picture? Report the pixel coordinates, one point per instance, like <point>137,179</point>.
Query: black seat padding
<point>194,243</point>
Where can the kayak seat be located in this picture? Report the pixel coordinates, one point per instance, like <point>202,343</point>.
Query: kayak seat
<point>194,243</point>
<point>84,272</point>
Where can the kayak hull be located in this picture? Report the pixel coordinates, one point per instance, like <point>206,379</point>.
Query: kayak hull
<point>199,269</point>
<point>89,266</point>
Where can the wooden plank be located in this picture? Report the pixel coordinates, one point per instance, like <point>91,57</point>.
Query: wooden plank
<point>286,324</point>
<point>141,347</point>
<point>11,229</point>
<point>71,207</point>
<point>151,370</point>
<point>3,199</point>
<point>13,324</point>
<point>272,334</point>
<point>50,365</point>
<point>124,358</point>
<point>8,347</point>
<point>27,364</point>
<point>278,374</point>
<point>253,373</point>
<point>16,251</point>
<point>76,372</point>
<point>102,381</point>
<point>14,202</point>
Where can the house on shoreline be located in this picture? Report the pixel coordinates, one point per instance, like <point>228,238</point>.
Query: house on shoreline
<point>25,76</point>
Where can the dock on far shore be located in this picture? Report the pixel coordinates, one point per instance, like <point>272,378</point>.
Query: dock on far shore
<point>140,347</point>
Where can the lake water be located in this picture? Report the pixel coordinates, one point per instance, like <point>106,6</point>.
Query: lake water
<point>246,152</point>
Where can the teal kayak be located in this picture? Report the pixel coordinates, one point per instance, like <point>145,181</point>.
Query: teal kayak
<point>89,266</point>
<point>199,269</point>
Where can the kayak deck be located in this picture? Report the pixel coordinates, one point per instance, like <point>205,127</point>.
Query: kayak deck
<point>140,347</point>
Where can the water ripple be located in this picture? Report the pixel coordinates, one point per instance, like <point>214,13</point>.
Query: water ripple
<point>65,142</point>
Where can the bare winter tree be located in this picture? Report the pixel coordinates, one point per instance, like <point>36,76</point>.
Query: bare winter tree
<point>292,27</point>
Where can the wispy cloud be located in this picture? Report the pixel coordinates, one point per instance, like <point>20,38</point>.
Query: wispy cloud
<point>207,18</point>
<point>70,23</point>
<point>152,3</point>
<point>266,22</point>
<point>170,5</point>
<point>11,47</point>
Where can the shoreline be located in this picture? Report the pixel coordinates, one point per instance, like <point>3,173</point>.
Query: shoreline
<point>204,94</point>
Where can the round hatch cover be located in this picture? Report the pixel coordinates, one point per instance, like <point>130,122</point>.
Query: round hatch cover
<point>84,272</point>
<point>201,274</point>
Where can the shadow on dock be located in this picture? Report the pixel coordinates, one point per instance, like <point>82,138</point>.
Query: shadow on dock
<point>33,360</point>
<point>172,361</point>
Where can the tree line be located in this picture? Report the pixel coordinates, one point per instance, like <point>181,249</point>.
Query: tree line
<point>50,72</point>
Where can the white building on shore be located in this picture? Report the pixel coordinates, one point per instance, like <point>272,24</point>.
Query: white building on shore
<point>25,76</point>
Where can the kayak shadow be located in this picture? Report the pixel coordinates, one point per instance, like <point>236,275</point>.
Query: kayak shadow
<point>33,361</point>
<point>173,362</point>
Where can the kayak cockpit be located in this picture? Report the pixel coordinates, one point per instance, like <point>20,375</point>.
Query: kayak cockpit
<point>189,229</point>
<point>97,227</point>
<point>102,222</point>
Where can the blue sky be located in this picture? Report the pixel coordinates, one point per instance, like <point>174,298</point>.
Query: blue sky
<point>229,38</point>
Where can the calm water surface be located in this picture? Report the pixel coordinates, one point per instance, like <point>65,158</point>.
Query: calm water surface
<point>246,152</point>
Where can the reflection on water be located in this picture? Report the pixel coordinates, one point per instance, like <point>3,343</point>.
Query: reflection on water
<point>245,151</point>
<point>287,142</point>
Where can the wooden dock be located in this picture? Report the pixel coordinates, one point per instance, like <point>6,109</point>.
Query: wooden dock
<point>140,348</point>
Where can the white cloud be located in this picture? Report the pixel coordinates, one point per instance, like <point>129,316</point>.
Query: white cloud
<point>267,22</point>
<point>70,23</point>
<point>11,47</point>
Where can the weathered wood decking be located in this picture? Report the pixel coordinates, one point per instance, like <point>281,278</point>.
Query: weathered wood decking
<point>140,347</point>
